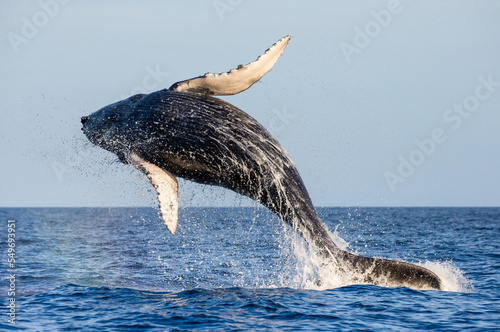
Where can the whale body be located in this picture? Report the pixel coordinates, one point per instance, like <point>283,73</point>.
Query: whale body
<point>185,132</point>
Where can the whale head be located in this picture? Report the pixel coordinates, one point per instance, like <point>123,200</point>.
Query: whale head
<point>109,129</point>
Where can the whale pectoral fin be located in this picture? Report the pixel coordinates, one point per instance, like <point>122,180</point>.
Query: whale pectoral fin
<point>166,187</point>
<point>235,80</point>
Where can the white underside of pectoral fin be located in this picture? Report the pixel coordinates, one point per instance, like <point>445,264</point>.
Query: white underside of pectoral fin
<point>166,187</point>
<point>235,80</point>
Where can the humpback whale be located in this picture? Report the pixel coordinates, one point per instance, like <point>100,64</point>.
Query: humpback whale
<point>184,131</point>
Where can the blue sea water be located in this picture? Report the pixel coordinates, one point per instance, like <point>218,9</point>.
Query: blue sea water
<point>233,269</point>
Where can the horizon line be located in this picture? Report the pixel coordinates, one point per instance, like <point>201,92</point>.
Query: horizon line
<point>257,206</point>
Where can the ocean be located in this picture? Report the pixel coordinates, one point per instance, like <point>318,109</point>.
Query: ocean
<point>236,269</point>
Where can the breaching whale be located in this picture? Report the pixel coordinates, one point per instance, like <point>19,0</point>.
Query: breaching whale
<point>185,132</point>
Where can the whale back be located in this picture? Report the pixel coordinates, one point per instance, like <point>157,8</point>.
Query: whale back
<point>209,141</point>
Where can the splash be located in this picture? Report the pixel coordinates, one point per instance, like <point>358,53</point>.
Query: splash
<point>315,273</point>
<point>452,278</point>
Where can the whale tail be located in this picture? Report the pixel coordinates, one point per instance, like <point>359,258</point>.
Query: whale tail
<point>385,272</point>
<point>360,269</point>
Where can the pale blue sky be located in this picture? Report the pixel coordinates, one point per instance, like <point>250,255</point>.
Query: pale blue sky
<point>346,121</point>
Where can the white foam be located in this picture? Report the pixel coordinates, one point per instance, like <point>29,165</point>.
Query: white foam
<point>453,279</point>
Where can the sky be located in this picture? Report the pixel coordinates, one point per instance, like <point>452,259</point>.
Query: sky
<point>379,103</point>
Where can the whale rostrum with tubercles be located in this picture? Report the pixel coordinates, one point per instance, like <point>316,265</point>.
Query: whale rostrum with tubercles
<point>185,132</point>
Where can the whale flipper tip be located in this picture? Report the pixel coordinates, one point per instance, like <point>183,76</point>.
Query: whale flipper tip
<point>166,188</point>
